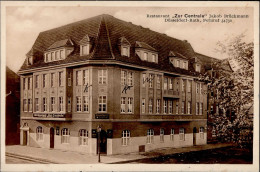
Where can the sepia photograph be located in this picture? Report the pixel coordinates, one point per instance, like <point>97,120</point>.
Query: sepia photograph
<point>91,86</point>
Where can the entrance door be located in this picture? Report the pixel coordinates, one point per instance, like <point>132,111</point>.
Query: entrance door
<point>103,142</point>
<point>25,138</point>
<point>51,137</point>
<point>194,135</point>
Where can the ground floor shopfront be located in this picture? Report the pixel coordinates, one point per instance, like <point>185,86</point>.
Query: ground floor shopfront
<point>116,137</point>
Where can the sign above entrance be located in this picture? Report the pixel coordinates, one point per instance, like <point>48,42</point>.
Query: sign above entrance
<point>50,115</point>
<point>101,116</point>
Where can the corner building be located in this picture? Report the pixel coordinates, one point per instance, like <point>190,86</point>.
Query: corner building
<point>138,85</point>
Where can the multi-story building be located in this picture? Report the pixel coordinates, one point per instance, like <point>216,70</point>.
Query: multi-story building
<point>138,85</point>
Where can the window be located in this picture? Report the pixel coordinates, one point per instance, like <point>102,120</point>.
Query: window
<point>170,83</point>
<point>130,79</point>
<point>151,77</point>
<point>62,54</point>
<point>183,85</point>
<point>172,134</point>
<point>69,79</point>
<point>212,109</point>
<point>202,132</point>
<point>69,104</point>
<point>78,106</point>
<point>52,56</point>
<point>177,107</point>
<point>85,77</point>
<point>44,80</point>
<point>83,137</point>
<point>52,79</point>
<point>158,105</point>
<point>30,60</point>
<point>164,106</point>
<point>197,108</point>
<point>201,108</point>
<point>161,135</point>
<point>24,83</point>
<point>78,77</point>
<point>85,49</point>
<point>177,83</point>
<point>125,51</point>
<point>30,105</point>
<point>153,57</point>
<point>189,86</point>
<point>44,104</point>
<point>197,68</point>
<point>130,104</point>
<point>102,76</point>
<point>184,65</point>
<point>214,131</point>
<point>52,104</point>
<point>197,88</point>
<point>181,134</point>
<point>189,107</point>
<point>170,106</point>
<point>49,57</point>
<point>37,105</point>
<point>143,105</point>
<point>85,103</point>
<point>144,80</point>
<point>61,105</point>
<point>125,137</point>
<point>39,134</point>
<point>29,83</point>
<point>65,135</point>
<point>150,106</point>
<point>177,63</point>
<point>145,56</point>
<point>200,88</point>
<point>182,107</point>
<point>57,55</point>
<point>102,102</point>
<point>25,105</point>
<point>165,83</point>
<point>123,104</point>
<point>37,81</point>
<point>150,134</point>
<point>61,79</point>
<point>158,85</point>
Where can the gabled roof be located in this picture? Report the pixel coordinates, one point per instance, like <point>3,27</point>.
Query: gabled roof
<point>61,43</point>
<point>85,40</point>
<point>105,30</point>
<point>123,41</point>
<point>144,45</point>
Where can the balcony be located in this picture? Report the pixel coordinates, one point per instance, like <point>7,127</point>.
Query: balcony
<point>171,94</point>
<point>52,116</point>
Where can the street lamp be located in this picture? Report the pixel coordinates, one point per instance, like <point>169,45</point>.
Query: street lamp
<point>98,140</point>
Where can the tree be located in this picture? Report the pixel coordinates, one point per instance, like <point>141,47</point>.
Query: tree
<point>235,91</point>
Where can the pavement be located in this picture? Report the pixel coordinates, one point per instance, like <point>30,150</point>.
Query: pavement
<point>56,156</point>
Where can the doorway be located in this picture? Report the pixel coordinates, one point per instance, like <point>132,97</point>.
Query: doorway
<point>52,137</point>
<point>103,142</point>
<point>25,138</point>
<point>194,135</point>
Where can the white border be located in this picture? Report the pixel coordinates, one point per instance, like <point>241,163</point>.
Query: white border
<point>133,167</point>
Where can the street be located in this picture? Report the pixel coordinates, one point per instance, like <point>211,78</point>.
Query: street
<point>228,155</point>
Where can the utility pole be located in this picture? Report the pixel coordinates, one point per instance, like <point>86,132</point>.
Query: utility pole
<point>98,140</point>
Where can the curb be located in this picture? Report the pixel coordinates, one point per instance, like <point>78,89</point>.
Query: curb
<point>29,158</point>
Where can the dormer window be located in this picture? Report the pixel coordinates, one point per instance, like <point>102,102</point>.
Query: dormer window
<point>177,63</point>
<point>59,50</point>
<point>145,56</point>
<point>85,45</point>
<point>197,68</point>
<point>30,60</point>
<point>124,46</point>
<point>146,52</point>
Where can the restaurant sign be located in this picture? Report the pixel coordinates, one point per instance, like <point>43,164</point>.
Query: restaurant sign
<point>49,115</point>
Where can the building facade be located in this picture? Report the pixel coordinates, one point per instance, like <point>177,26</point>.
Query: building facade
<point>138,85</point>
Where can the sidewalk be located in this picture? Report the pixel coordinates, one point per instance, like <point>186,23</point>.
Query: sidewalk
<point>69,157</point>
